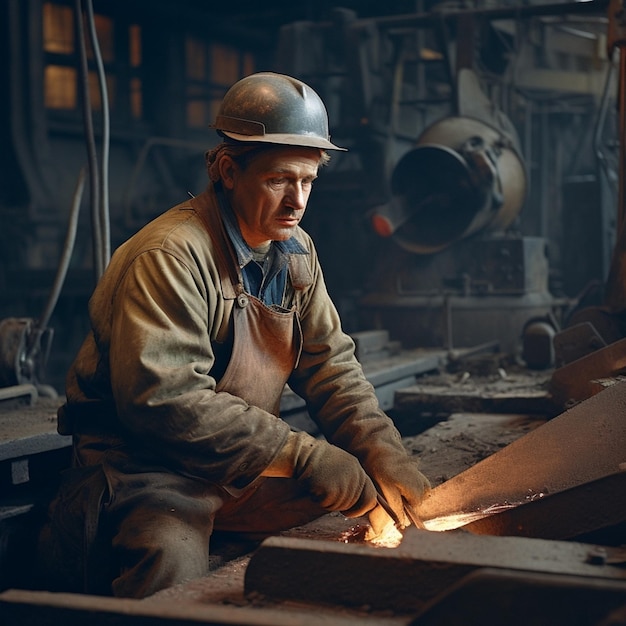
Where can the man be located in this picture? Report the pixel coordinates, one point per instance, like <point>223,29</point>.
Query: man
<point>198,323</point>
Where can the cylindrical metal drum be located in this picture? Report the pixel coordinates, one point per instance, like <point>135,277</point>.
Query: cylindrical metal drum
<point>463,176</point>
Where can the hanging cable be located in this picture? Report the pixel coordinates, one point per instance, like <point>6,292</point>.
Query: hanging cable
<point>68,249</point>
<point>36,352</point>
<point>92,160</point>
<point>598,147</point>
<point>104,162</point>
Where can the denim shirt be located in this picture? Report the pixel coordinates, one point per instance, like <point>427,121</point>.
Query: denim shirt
<point>265,281</point>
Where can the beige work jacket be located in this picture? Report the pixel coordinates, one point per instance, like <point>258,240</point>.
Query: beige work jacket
<point>146,375</point>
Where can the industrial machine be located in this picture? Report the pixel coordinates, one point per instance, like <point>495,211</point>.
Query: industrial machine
<point>459,276</point>
<point>444,180</point>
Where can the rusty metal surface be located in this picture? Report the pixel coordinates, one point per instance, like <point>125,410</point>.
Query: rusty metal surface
<point>598,505</point>
<point>582,445</point>
<point>578,340</point>
<point>406,578</point>
<point>582,378</point>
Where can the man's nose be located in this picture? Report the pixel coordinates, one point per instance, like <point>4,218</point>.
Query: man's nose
<point>297,197</point>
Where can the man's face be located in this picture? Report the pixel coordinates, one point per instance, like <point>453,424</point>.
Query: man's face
<point>270,195</point>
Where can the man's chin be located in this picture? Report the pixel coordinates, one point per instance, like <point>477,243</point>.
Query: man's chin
<point>284,233</point>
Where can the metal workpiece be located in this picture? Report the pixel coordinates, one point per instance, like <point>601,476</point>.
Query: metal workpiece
<point>412,576</point>
<point>564,479</point>
<point>593,509</point>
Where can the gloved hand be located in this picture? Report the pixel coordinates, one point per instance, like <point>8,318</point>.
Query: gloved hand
<point>332,475</point>
<point>399,480</point>
<point>374,439</point>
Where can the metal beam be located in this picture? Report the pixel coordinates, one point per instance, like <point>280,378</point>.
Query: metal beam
<point>562,457</point>
<point>594,7</point>
<point>406,578</point>
<point>40,608</point>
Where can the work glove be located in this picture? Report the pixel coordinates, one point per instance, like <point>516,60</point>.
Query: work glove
<point>333,476</point>
<point>399,480</point>
<point>373,438</point>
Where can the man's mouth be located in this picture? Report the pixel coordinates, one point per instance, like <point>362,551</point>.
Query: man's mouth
<point>288,220</point>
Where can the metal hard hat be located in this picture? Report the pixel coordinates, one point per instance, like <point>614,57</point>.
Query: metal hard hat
<point>274,108</point>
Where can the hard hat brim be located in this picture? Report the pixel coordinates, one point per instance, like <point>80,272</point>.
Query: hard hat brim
<point>287,139</point>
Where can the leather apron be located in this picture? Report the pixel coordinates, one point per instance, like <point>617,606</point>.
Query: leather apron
<point>267,340</point>
<point>266,347</point>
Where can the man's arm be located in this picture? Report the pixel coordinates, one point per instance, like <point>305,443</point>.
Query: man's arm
<point>344,405</point>
<point>161,359</point>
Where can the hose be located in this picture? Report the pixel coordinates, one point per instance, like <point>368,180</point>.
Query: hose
<point>41,325</point>
<point>104,162</point>
<point>66,255</point>
<point>92,159</point>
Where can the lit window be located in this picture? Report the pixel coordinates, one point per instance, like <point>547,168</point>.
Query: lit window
<point>196,113</point>
<point>210,70</point>
<point>58,29</point>
<point>60,87</point>
<point>224,64</point>
<point>196,107</point>
<point>248,64</point>
<point>195,57</point>
<point>134,33</point>
<point>136,98</point>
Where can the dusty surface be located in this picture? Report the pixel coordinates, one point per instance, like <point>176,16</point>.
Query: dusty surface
<point>27,421</point>
<point>511,390</point>
<point>464,439</point>
<point>225,586</point>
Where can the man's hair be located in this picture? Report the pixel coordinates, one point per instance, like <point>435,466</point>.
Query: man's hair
<point>243,154</point>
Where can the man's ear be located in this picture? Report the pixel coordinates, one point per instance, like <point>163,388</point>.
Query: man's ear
<point>227,169</point>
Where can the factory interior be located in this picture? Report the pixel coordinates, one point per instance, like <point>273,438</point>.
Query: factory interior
<point>472,238</point>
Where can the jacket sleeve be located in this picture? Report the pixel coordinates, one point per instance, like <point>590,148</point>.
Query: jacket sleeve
<point>163,315</point>
<point>330,379</point>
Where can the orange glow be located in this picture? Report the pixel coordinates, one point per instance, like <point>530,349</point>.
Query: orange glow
<point>390,537</point>
<point>456,520</point>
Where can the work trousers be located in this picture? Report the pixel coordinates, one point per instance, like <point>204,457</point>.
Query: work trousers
<point>133,531</point>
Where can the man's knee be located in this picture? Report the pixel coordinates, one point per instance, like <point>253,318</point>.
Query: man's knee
<point>157,552</point>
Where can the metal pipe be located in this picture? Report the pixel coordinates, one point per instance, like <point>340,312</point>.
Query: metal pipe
<point>105,228</point>
<point>621,208</point>
<point>495,13</point>
<point>92,158</point>
<point>68,248</point>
